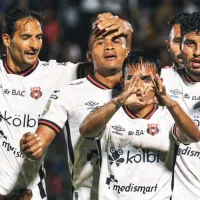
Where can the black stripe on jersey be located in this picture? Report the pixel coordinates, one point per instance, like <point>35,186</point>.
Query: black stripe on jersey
<point>99,149</point>
<point>22,73</point>
<point>50,124</point>
<point>40,184</point>
<point>97,83</point>
<point>69,144</point>
<point>133,115</point>
<point>176,146</point>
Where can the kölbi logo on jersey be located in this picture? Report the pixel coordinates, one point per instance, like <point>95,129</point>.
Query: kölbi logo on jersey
<point>36,93</point>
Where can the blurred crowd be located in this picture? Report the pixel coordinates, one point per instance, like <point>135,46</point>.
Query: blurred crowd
<point>66,29</point>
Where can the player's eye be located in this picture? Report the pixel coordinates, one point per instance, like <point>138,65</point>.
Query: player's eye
<point>147,79</point>
<point>129,77</point>
<point>189,43</point>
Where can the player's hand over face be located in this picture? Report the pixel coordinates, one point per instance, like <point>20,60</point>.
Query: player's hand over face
<point>32,146</point>
<point>18,195</point>
<point>106,23</point>
<point>160,90</point>
<point>137,96</point>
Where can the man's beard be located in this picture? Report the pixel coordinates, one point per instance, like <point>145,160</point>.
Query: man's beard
<point>175,61</point>
<point>192,71</point>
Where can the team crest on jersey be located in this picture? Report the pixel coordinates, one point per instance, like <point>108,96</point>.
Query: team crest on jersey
<point>115,156</point>
<point>152,129</point>
<point>36,93</point>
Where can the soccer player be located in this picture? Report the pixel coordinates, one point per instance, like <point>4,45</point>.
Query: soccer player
<point>26,84</point>
<point>174,40</point>
<point>183,86</point>
<point>135,132</point>
<point>73,102</point>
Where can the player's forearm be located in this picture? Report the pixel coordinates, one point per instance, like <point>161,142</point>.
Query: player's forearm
<point>94,123</point>
<point>46,134</point>
<point>185,124</point>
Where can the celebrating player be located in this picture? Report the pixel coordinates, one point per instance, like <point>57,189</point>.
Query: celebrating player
<point>26,84</point>
<point>183,86</point>
<point>73,102</point>
<point>135,132</point>
<point>174,41</point>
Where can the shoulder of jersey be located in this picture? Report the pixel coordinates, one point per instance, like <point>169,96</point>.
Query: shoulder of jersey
<point>79,84</point>
<point>54,63</point>
<point>168,74</point>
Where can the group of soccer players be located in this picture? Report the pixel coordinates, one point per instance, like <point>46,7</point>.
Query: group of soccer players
<point>139,133</point>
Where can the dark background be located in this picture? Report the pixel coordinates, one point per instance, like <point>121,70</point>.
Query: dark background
<point>66,29</point>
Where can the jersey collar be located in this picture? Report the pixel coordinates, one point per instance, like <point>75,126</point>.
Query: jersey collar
<point>90,77</point>
<point>188,78</point>
<point>22,73</point>
<point>133,115</point>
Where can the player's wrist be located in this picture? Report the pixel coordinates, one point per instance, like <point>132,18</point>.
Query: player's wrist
<point>171,105</point>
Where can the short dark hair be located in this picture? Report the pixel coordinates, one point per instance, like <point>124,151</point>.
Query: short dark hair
<point>178,19</point>
<point>136,58</point>
<point>16,14</point>
<point>192,24</point>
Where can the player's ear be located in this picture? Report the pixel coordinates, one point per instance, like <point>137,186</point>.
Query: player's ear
<point>89,56</point>
<point>6,39</point>
<point>167,45</point>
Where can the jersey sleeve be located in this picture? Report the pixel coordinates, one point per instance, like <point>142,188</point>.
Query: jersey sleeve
<point>57,109</point>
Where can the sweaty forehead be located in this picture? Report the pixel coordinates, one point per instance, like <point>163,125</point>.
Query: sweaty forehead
<point>26,24</point>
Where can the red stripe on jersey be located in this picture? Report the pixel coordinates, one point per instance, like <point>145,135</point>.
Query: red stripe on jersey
<point>188,78</point>
<point>95,82</point>
<point>134,116</point>
<point>31,69</point>
<point>148,116</point>
<point>50,125</point>
<point>23,73</point>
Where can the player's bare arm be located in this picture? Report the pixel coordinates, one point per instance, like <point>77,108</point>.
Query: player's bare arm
<point>106,23</point>
<point>187,131</point>
<point>34,145</point>
<point>94,123</point>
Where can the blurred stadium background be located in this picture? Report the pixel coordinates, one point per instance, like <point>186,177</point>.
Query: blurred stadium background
<point>66,29</point>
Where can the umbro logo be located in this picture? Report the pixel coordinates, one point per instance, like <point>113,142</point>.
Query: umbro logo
<point>176,92</point>
<point>91,103</point>
<point>118,128</point>
<point>76,83</point>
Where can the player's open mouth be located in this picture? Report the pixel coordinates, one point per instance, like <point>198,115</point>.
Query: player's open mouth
<point>110,56</point>
<point>196,63</point>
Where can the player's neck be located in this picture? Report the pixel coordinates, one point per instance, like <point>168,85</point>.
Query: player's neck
<point>14,66</point>
<point>195,78</point>
<point>110,81</point>
<point>141,112</point>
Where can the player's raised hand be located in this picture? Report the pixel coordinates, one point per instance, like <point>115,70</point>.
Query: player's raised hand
<point>31,146</point>
<point>107,23</point>
<point>160,90</point>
